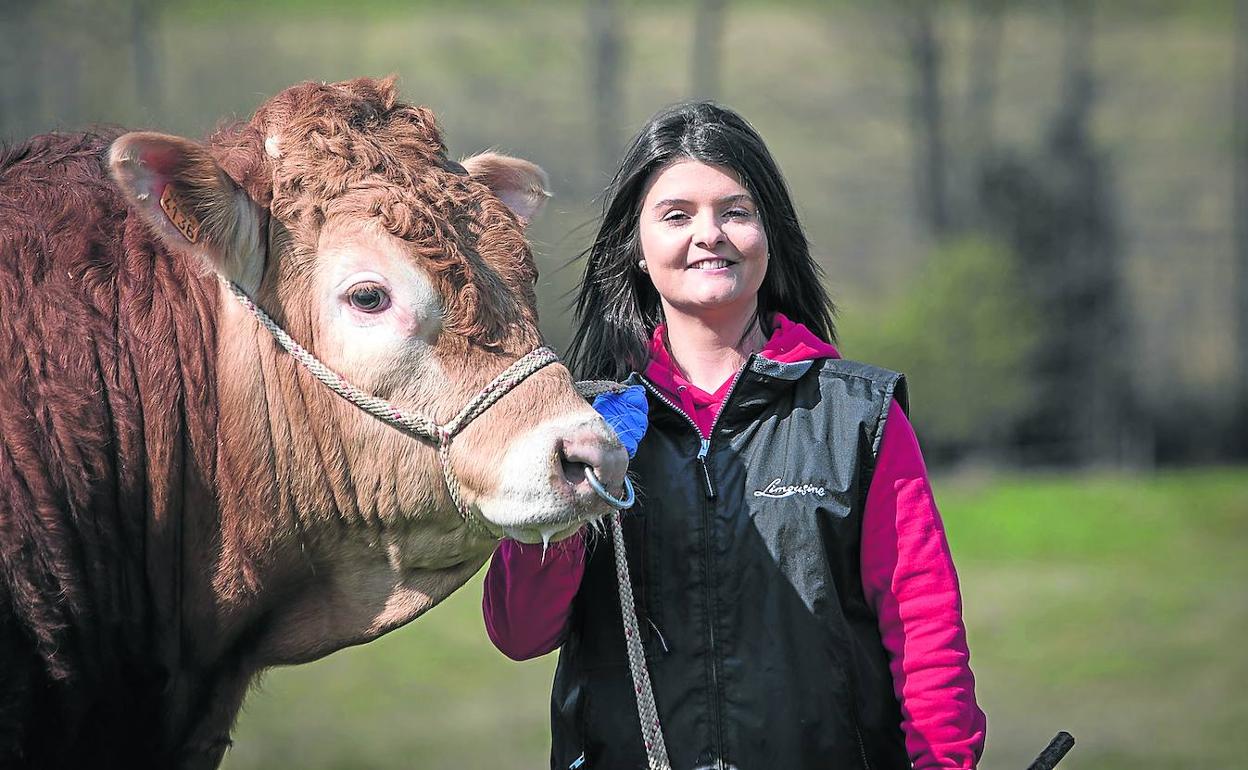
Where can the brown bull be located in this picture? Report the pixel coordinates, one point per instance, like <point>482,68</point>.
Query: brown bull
<point>181,503</point>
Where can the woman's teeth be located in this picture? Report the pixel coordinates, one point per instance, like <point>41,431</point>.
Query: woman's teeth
<point>712,264</point>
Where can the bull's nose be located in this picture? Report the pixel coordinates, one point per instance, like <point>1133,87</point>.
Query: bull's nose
<point>588,447</point>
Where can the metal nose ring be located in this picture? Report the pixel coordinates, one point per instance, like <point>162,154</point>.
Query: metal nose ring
<point>622,505</point>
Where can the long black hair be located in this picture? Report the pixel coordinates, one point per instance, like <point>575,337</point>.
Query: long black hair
<point>617,308</point>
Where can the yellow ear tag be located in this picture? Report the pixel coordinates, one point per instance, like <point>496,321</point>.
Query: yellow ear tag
<point>179,214</point>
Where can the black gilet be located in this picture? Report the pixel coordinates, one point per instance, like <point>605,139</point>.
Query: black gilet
<point>744,552</point>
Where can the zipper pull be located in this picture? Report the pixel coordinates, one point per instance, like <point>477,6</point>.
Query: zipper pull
<point>706,474</point>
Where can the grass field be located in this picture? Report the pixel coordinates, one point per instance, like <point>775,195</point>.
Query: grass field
<point>1112,606</point>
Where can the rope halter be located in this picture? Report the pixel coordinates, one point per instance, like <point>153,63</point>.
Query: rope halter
<point>419,425</point>
<point>441,436</point>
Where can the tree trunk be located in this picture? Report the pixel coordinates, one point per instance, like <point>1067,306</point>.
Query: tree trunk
<point>1240,213</point>
<point>706,47</point>
<point>1058,209</point>
<point>606,63</point>
<point>978,137</point>
<point>984,59</point>
<point>145,56</point>
<point>1092,304</point>
<point>19,70</point>
<point>927,119</point>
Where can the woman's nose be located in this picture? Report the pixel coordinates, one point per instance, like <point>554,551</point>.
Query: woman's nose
<point>708,234</point>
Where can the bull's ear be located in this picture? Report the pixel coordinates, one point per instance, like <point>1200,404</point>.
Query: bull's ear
<point>519,184</point>
<point>191,203</point>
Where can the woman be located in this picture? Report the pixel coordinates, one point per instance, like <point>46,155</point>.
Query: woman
<point>795,589</point>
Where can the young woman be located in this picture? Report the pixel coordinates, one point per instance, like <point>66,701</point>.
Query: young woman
<point>794,586</point>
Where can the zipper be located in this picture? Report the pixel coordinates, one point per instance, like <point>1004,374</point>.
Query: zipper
<point>707,485</point>
<point>851,676</point>
<point>710,490</point>
<point>704,449</point>
<point>705,442</point>
<point>728,396</point>
<point>862,749</point>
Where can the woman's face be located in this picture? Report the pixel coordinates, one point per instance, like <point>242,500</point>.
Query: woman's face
<point>703,241</point>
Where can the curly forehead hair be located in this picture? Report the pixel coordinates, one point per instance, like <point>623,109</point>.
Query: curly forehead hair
<point>318,150</point>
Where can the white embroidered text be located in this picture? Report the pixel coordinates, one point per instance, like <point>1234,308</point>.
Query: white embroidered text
<point>778,488</point>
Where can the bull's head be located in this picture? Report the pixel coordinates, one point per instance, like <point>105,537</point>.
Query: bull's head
<point>337,209</point>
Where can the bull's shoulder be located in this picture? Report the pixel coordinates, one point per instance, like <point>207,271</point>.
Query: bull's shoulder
<point>40,159</point>
<point>106,355</point>
<point>30,160</point>
<point>56,200</point>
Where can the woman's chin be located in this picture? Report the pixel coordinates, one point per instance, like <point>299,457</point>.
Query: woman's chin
<point>718,303</point>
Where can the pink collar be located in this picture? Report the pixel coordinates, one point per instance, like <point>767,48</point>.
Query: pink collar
<point>789,343</point>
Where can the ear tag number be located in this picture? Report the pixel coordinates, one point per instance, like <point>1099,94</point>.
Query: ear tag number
<point>179,215</point>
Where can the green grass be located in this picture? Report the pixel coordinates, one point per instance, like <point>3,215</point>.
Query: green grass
<point>1112,606</point>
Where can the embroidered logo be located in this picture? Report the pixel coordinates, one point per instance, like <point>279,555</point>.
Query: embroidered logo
<point>777,489</point>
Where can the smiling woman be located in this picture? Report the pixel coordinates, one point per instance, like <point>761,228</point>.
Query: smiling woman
<point>693,154</point>
<point>800,604</point>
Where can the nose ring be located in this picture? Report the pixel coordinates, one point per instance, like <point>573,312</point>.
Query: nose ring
<point>630,496</point>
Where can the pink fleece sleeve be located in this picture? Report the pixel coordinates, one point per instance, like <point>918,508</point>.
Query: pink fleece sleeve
<point>908,577</point>
<point>528,595</point>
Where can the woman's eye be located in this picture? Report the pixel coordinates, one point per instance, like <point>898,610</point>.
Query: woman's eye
<point>674,216</point>
<point>369,298</point>
<point>740,214</point>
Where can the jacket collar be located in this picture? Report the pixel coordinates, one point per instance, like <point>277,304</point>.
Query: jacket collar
<point>789,343</point>
<point>788,355</point>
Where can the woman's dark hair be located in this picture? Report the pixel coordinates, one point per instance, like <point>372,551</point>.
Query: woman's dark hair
<point>617,308</point>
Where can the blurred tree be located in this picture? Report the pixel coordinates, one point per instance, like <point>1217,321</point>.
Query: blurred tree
<point>706,48</point>
<point>19,85</point>
<point>963,332</point>
<point>1239,219</point>
<point>1054,206</point>
<point>145,54</point>
<point>927,115</point>
<point>64,63</point>
<point>61,60</point>
<point>1057,209</point>
<point>606,67</point>
<point>983,61</point>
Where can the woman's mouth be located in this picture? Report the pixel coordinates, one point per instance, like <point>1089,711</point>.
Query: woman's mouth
<point>711,264</point>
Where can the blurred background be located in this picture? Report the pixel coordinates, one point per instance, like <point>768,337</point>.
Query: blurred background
<point>1038,211</point>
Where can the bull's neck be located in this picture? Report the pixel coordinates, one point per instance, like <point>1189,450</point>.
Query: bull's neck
<point>321,506</point>
<point>274,465</point>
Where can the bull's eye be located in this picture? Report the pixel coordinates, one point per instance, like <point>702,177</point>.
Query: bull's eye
<point>369,298</point>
